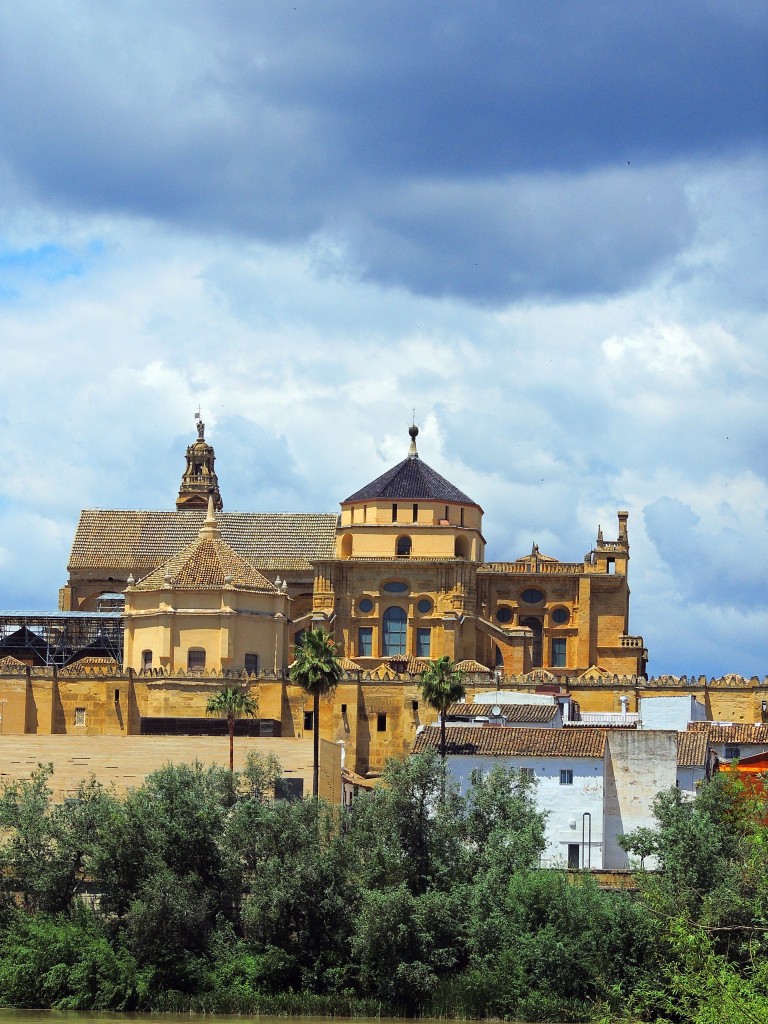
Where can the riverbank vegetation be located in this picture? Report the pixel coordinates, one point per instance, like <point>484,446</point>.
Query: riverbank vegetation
<point>195,892</point>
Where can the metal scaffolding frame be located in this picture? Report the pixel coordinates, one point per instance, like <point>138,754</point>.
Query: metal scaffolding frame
<point>57,638</point>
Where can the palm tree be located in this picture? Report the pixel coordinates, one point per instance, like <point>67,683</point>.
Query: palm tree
<point>318,670</point>
<point>234,703</point>
<point>441,686</point>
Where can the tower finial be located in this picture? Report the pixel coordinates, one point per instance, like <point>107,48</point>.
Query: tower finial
<point>210,527</point>
<point>413,430</point>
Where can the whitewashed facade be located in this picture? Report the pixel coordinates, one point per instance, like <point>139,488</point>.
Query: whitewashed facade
<point>593,784</point>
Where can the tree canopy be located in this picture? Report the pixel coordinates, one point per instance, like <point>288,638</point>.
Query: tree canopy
<point>317,669</point>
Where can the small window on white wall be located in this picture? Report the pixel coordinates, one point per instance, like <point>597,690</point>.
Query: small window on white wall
<point>566,776</point>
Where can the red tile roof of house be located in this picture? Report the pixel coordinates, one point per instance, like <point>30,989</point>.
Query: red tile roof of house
<point>692,749</point>
<point>741,732</point>
<point>512,712</point>
<point>503,741</point>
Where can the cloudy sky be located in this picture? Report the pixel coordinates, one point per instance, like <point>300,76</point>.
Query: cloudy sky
<point>541,225</point>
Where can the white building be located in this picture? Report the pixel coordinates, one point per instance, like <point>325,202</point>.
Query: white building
<point>594,784</point>
<point>670,712</point>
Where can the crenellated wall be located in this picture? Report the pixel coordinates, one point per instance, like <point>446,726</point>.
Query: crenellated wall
<point>374,716</point>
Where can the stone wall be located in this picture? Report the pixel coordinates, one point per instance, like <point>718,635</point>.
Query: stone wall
<point>374,717</point>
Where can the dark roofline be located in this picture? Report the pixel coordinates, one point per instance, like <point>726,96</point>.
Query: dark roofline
<point>411,480</point>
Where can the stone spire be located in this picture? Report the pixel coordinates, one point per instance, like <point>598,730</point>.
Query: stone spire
<point>199,479</point>
<point>210,527</point>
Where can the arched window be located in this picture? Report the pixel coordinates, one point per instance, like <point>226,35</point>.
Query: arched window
<point>403,547</point>
<point>460,547</point>
<point>395,621</point>
<point>195,659</point>
<point>346,545</point>
<point>535,626</point>
<point>146,659</point>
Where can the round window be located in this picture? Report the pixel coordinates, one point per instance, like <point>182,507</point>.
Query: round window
<point>424,606</point>
<point>395,587</point>
<point>504,614</point>
<point>365,604</point>
<point>560,616</point>
<point>532,596</point>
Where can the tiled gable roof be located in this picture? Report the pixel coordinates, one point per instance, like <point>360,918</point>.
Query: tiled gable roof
<point>502,741</point>
<point>408,663</point>
<point>142,540</point>
<point>411,480</point>
<point>468,665</point>
<point>741,732</point>
<point>209,563</point>
<point>512,712</point>
<point>692,749</point>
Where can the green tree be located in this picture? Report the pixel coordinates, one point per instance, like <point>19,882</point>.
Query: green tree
<point>504,830</point>
<point>406,945</point>
<point>406,831</point>
<point>260,774</point>
<point>317,669</point>
<point>441,686</point>
<point>165,874</point>
<point>234,703</point>
<point>47,849</point>
<point>301,893</point>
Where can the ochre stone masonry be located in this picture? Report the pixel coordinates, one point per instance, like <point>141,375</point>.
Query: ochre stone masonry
<point>372,717</point>
<point>398,578</point>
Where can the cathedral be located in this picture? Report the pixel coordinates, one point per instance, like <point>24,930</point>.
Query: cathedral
<point>398,578</point>
<point>163,608</point>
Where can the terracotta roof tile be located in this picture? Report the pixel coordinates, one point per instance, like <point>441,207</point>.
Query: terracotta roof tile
<point>501,741</point>
<point>142,540</point>
<point>512,712</point>
<point>469,665</point>
<point>348,665</point>
<point>209,563</point>
<point>407,663</point>
<point>741,732</point>
<point>692,749</point>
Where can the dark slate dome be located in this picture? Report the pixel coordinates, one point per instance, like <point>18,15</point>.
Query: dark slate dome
<point>411,480</point>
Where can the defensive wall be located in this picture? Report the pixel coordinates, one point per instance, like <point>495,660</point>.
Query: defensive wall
<point>371,716</point>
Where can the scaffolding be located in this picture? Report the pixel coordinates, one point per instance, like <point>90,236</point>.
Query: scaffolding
<point>60,638</point>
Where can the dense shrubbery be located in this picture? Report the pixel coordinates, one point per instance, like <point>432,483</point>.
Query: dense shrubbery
<point>208,897</point>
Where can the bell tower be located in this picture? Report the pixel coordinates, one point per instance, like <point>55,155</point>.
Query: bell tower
<point>199,479</point>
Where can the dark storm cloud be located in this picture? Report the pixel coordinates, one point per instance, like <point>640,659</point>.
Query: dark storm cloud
<point>485,150</point>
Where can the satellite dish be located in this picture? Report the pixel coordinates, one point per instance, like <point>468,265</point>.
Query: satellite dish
<point>495,710</point>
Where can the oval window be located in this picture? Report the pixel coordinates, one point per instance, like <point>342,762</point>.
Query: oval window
<point>365,604</point>
<point>504,614</point>
<point>532,596</point>
<point>424,606</point>
<point>561,616</point>
<point>395,587</point>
